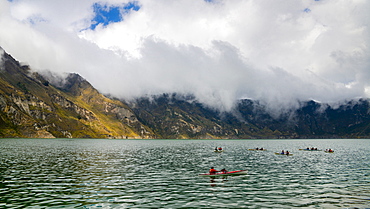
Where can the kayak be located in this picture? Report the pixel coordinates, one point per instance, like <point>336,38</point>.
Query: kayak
<point>257,149</point>
<point>278,153</point>
<point>310,149</point>
<point>218,151</point>
<point>229,173</point>
<point>329,151</point>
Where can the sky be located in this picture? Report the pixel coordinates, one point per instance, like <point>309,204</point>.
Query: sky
<point>279,52</point>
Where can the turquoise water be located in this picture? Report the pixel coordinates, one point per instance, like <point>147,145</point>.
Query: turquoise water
<point>93,173</point>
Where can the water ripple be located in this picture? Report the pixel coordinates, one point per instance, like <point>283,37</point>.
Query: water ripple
<point>67,173</point>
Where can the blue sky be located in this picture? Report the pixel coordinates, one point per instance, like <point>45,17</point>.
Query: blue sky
<point>106,14</point>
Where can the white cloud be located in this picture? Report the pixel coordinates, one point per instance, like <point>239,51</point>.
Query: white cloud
<point>277,51</point>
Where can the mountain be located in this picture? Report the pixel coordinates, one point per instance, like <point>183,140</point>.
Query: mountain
<point>174,116</point>
<point>40,106</point>
<point>32,107</point>
<point>350,120</point>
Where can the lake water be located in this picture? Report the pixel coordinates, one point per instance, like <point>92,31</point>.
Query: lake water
<point>94,173</point>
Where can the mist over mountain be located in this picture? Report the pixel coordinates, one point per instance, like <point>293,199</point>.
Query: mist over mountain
<point>176,116</point>
<point>35,106</point>
<point>279,53</point>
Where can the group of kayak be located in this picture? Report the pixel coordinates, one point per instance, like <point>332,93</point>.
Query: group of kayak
<point>289,154</point>
<point>219,149</point>
<point>276,153</point>
<point>223,172</point>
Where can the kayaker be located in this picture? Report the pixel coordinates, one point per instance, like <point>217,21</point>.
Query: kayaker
<point>220,148</point>
<point>216,149</point>
<point>213,171</point>
<point>282,152</point>
<point>287,152</point>
<point>223,170</point>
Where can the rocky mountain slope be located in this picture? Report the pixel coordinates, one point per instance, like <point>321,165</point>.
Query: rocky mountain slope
<point>32,106</point>
<point>173,116</point>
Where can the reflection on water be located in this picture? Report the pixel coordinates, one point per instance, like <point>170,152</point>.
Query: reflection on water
<point>80,173</point>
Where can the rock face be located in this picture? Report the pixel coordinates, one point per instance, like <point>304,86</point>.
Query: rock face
<point>32,107</point>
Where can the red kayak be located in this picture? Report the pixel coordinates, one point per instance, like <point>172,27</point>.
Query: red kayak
<point>229,173</point>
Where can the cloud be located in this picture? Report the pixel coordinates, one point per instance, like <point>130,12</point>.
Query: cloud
<point>276,51</point>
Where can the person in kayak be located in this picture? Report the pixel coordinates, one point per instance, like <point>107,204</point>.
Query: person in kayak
<point>213,171</point>
<point>223,170</point>
<point>282,152</point>
<point>287,152</point>
<point>220,148</point>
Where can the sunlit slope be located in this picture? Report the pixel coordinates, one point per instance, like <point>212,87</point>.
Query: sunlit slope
<point>33,107</point>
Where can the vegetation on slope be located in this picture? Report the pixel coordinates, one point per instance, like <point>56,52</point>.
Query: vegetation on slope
<point>33,107</point>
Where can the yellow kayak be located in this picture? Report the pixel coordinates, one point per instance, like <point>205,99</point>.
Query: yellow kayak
<point>278,153</point>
